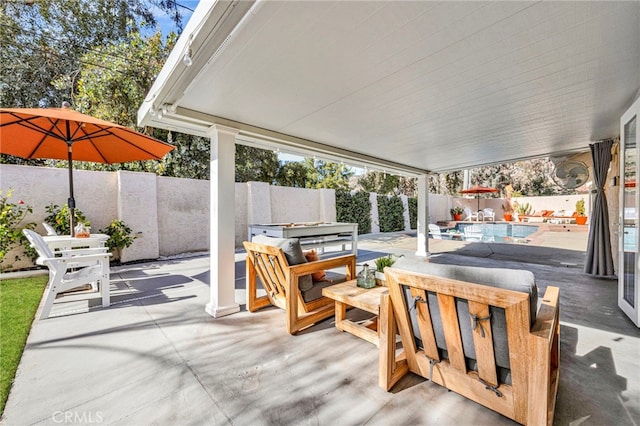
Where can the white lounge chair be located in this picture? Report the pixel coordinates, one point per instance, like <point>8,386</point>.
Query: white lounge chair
<point>472,216</point>
<point>435,232</point>
<point>488,214</point>
<point>70,270</point>
<point>473,233</point>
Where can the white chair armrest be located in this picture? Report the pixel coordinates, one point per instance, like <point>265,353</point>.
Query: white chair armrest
<point>82,251</point>
<point>75,259</point>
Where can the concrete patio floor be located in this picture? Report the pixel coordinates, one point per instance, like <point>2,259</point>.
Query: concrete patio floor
<point>155,356</point>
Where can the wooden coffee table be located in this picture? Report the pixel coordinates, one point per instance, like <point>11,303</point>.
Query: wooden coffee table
<point>348,294</point>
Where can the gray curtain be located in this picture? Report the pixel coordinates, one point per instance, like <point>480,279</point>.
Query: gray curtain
<point>599,259</point>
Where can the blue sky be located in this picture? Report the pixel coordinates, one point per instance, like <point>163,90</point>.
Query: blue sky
<point>165,22</point>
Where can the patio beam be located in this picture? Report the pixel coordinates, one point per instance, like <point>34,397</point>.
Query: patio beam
<point>222,222</point>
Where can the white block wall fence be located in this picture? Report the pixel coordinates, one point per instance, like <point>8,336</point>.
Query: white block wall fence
<point>171,216</point>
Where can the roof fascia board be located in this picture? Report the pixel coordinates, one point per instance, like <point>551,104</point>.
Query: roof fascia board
<point>206,32</point>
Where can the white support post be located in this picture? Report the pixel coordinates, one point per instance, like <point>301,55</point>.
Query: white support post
<point>222,217</point>
<point>423,216</point>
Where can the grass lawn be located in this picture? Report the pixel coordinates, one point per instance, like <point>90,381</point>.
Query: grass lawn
<point>19,300</point>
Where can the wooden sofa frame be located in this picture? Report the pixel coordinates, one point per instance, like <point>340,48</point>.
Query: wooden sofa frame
<point>533,351</point>
<point>280,281</point>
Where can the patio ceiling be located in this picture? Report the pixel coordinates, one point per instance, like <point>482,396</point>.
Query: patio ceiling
<point>413,86</point>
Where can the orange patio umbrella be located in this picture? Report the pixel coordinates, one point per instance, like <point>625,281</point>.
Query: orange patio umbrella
<point>64,134</point>
<point>477,190</point>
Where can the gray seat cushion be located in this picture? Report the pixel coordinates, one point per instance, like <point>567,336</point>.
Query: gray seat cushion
<point>510,279</point>
<point>315,292</point>
<point>292,251</point>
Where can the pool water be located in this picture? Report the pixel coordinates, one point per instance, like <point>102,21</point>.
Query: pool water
<point>502,232</point>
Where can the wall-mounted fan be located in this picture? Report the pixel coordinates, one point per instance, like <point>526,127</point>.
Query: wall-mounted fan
<point>571,174</point>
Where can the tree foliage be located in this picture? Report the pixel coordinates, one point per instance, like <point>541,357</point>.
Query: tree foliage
<point>293,174</point>
<point>255,164</point>
<point>45,43</point>
<point>327,174</point>
<point>92,53</point>
<point>529,178</point>
<point>387,184</point>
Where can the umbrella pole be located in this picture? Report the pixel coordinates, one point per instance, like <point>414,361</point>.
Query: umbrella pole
<point>71,202</point>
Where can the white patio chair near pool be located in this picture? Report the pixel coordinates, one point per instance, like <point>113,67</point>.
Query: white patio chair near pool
<point>473,233</point>
<point>488,214</point>
<point>470,215</point>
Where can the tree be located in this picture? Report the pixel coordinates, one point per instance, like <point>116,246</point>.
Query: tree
<point>534,177</point>
<point>327,174</point>
<point>44,42</point>
<point>115,84</point>
<point>293,174</point>
<point>48,46</point>
<point>255,164</point>
<point>388,184</point>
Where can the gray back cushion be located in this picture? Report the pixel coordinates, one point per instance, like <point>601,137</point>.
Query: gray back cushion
<point>509,279</point>
<point>292,251</point>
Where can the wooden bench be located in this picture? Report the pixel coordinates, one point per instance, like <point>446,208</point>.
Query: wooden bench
<point>427,311</point>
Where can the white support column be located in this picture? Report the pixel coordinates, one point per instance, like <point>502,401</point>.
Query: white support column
<point>423,216</point>
<point>222,225</point>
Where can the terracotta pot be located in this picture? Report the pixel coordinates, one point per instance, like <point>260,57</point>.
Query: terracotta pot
<point>508,217</point>
<point>457,217</point>
<point>581,220</point>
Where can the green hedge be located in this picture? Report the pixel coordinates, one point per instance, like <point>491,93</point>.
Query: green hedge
<point>354,208</point>
<point>390,213</point>
<point>413,213</point>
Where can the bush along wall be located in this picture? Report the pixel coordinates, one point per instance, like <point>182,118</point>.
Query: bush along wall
<point>390,213</point>
<point>413,212</point>
<point>354,208</point>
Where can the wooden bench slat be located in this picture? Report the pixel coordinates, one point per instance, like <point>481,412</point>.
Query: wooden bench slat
<point>483,342</point>
<point>451,328</point>
<point>425,325</point>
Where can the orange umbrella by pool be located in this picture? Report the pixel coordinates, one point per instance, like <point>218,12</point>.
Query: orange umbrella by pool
<point>477,190</point>
<point>64,134</point>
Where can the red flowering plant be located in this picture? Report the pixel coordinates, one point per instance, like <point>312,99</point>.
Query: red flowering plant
<point>11,225</point>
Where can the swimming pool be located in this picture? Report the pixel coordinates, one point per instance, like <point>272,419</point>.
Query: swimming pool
<point>502,232</point>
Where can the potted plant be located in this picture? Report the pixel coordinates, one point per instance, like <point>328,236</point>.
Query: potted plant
<point>119,237</point>
<point>381,263</point>
<point>457,212</point>
<point>581,212</point>
<point>522,210</point>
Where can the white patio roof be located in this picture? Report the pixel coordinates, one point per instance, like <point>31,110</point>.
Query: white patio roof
<point>413,86</point>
